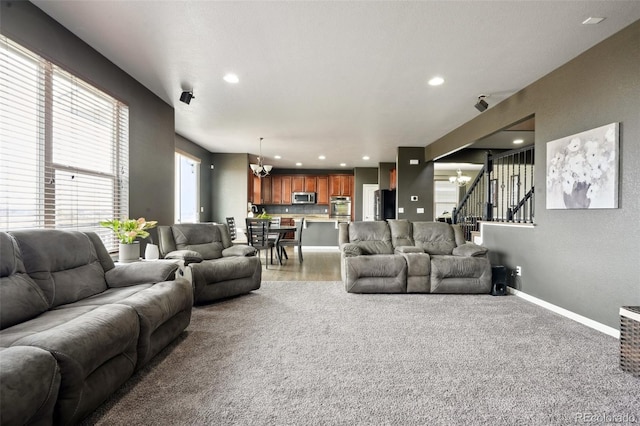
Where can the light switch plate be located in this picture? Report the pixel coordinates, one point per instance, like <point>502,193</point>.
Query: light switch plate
<point>400,209</point>
<point>414,162</point>
<point>420,210</point>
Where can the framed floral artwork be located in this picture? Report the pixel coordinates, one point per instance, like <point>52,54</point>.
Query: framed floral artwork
<point>582,170</point>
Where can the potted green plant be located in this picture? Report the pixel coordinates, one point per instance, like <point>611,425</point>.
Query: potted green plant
<point>127,231</point>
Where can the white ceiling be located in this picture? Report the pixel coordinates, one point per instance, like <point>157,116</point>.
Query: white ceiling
<point>343,79</point>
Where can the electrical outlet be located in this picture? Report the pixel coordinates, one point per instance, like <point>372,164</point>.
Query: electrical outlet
<point>519,271</point>
<point>286,210</point>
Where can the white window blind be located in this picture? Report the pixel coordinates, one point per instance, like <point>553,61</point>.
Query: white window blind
<point>63,148</point>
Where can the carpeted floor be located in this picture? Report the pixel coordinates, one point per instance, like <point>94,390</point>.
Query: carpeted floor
<point>308,353</point>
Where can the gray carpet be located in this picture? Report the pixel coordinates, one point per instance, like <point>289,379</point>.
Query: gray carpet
<point>308,353</point>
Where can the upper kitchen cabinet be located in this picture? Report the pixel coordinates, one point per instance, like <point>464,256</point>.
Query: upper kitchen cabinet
<point>311,184</point>
<point>297,183</point>
<point>280,189</point>
<point>340,185</point>
<point>322,190</point>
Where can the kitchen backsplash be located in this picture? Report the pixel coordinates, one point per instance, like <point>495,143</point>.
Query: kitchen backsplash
<point>295,209</point>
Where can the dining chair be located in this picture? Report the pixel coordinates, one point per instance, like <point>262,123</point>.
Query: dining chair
<point>296,241</point>
<point>231,223</point>
<point>258,237</point>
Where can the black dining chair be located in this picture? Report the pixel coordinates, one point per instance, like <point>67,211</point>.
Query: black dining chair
<point>231,224</point>
<point>296,241</point>
<point>258,237</point>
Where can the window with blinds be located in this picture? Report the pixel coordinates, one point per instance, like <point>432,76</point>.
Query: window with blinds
<point>63,148</point>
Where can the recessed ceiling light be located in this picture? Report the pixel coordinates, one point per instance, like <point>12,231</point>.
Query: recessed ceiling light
<point>277,157</point>
<point>298,164</point>
<point>321,157</point>
<point>365,158</point>
<point>231,78</point>
<point>436,81</point>
<point>343,164</point>
<point>518,141</point>
<point>592,21</point>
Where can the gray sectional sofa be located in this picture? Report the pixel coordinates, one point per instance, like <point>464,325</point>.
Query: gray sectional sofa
<point>218,268</point>
<point>398,256</point>
<point>74,326</point>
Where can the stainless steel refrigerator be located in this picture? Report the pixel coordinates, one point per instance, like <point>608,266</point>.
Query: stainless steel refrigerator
<point>385,204</point>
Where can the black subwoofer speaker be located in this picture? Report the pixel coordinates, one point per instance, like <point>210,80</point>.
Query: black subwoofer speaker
<point>498,280</point>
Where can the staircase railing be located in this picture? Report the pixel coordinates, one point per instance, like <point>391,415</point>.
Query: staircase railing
<point>503,191</point>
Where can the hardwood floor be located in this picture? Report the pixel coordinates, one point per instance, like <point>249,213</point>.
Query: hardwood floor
<point>317,265</point>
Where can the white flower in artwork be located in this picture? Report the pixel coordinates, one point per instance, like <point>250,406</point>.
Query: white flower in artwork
<point>610,136</point>
<point>593,190</point>
<point>574,145</point>
<point>567,182</point>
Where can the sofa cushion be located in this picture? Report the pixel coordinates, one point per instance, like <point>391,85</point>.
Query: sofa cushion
<point>239,250</point>
<point>64,264</point>
<point>470,250</point>
<point>375,274</point>
<point>434,237</point>
<point>205,238</point>
<point>20,297</point>
<point>29,385</point>
<point>371,237</point>
<point>401,233</point>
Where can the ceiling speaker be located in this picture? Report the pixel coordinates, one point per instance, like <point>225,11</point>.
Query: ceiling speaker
<point>482,104</point>
<point>186,97</point>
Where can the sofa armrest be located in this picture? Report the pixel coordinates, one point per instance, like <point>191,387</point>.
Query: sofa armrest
<point>127,274</point>
<point>470,250</point>
<point>350,250</point>
<point>187,256</point>
<point>408,249</point>
<point>239,250</point>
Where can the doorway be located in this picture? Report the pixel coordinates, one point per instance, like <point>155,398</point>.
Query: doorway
<point>187,189</point>
<point>368,201</point>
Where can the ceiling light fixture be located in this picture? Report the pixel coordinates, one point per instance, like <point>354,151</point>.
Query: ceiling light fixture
<point>436,81</point>
<point>231,78</point>
<point>261,170</point>
<point>482,105</point>
<point>187,96</point>
<point>343,164</point>
<point>298,164</point>
<point>518,141</point>
<point>592,20</point>
<point>460,179</point>
<point>321,157</point>
<point>365,158</point>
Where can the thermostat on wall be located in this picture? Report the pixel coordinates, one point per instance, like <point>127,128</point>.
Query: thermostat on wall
<point>413,161</point>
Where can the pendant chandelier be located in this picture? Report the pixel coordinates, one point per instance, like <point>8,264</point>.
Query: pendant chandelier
<point>261,170</point>
<point>460,180</point>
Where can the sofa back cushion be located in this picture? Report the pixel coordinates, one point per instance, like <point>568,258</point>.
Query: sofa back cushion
<point>204,238</point>
<point>20,297</point>
<point>401,233</point>
<point>434,237</point>
<point>64,264</point>
<point>371,237</point>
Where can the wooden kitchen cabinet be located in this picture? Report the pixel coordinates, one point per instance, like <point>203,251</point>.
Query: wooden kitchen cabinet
<point>297,183</point>
<point>311,184</point>
<point>322,190</point>
<point>267,194</point>
<point>280,189</point>
<point>340,185</point>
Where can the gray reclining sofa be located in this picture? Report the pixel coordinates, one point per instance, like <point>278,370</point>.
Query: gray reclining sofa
<point>217,268</point>
<point>399,256</point>
<point>74,326</point>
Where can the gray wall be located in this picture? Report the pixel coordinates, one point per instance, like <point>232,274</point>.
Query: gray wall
<point>586,261</point>
<point>204,156</point>
<point>414,180</point>
<point>362,175</point>
<point>151,120</point>
<point>228,185</point>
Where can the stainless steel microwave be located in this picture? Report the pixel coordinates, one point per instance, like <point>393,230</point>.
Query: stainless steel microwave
<point>303,198</point>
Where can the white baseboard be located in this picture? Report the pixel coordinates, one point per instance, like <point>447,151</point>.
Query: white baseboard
<point>566,313</point>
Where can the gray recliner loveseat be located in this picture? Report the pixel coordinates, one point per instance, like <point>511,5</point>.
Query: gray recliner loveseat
<point>74,326</point>
<point>217,268</point>
<point>399,256</point>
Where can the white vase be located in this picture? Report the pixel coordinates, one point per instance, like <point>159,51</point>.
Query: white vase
<point>129,252</point>
<point>151,252</point>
